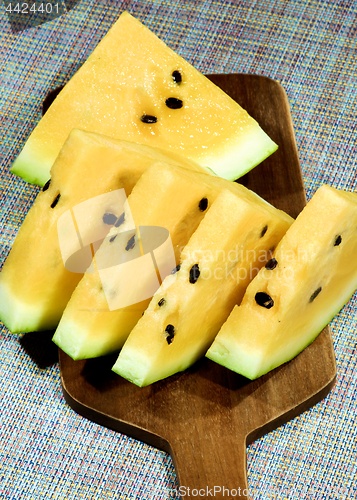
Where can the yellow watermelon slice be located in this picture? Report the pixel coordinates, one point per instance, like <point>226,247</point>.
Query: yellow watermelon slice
<point>89,181</point>
<point>233,241</point>
<point>134,87</point>
<point>312,275</point>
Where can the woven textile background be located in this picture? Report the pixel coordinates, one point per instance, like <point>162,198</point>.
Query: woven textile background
<point>47,450</point>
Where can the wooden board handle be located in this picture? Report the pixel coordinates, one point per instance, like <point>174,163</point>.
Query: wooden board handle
<point>206,470</point>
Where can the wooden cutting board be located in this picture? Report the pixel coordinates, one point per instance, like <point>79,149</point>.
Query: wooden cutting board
<point>205,417</point>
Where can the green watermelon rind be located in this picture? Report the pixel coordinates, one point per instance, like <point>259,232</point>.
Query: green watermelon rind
<point>253,364</point>
<point>29,167</point>
<point>19,316</point>
<point>254,148</point>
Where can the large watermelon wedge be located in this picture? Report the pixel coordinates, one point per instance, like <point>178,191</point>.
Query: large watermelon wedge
<point>134,87</point>
<point>232,242</point>
<point>312,274</point>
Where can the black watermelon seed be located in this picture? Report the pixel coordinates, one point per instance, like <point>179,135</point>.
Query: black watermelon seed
<point>315,294</point>
<point>169,339</point>
<point>47,185</point>
<point>203,204</point>
<point>109,219</point>
<point>263,231</point>
<point>173,103</point>
<point>120,220</point>
<point>170,333</point>
<point>338,240</point>
<point>148,118</point>
<point>194,273</point>
<point>55,201</point>
<point>161,302</point>
<point>264,300</point>
<point>131,243</point>
<point>177,268</point>
<point>176,76</point>
<point>112,238</point>
<point>170,329</point>
<point>271,264</point>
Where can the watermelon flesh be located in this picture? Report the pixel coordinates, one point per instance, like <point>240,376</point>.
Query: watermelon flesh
<point>176,199</point>
<point>312,275</point>
<point>135,88</point>
<point>95,322</point>
<point>89,181</point>
<point>233,241</point>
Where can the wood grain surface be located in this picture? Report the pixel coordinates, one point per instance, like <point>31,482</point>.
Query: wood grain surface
<point>206,416</point>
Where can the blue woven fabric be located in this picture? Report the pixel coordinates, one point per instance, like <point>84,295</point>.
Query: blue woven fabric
<point>46,449</point>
